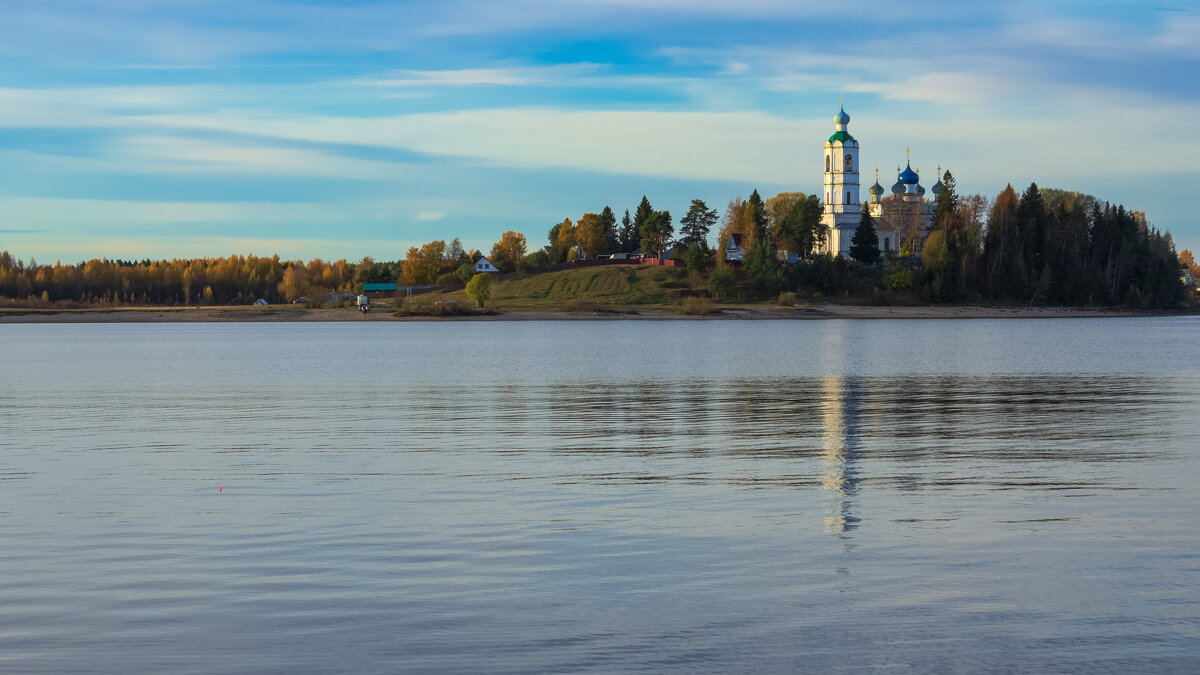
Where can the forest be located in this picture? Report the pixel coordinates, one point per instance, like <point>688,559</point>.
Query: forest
<point>1039,246</point>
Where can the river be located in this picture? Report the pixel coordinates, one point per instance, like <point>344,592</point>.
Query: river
<point>543,497</point>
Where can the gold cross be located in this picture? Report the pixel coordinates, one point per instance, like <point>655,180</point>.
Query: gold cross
<point>907,153</point>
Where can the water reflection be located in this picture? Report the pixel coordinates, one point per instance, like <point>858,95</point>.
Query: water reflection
<point>841,413</point>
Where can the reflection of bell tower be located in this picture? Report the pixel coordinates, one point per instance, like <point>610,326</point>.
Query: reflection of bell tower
<point>841,413</point>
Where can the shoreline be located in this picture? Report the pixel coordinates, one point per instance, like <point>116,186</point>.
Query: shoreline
<point>817,313</point>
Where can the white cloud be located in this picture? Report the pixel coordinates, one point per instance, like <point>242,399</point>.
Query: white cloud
<point>430,216</point>
<point>472,77</point>
<point>157,154</point>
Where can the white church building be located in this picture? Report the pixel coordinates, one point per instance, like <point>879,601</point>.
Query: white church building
<point>902,218</point>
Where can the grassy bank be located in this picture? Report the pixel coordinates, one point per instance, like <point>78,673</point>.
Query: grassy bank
<point>618,286</point>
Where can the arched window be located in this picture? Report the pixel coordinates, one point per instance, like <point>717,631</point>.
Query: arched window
<point>887,243</point>
<point>849,162</point>
<point>827,158</point>
<point>848,198</point>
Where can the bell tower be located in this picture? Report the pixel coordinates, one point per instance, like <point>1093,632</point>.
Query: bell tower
<point>841,168</point>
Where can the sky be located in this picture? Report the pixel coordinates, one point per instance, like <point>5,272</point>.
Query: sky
<point>183,128</point>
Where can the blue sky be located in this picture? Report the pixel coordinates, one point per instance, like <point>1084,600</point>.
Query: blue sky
<point>179,128</point>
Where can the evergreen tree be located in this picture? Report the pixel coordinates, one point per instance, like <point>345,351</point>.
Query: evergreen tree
<point>1031,219</point>
<point>761,266</point>
<point>758,216</point>
<point>864,245</point>
<point>696,257</point>
<point>696,224</point>
<point>799,228</point>
<point>640,216</point>
<point>612,237</point>
<point>628,235</point>
<point>656,232</point>
<point>952,266</point>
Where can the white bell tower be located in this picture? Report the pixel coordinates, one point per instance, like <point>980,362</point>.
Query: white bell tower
<point>841,168</point>
<point>842,204</point>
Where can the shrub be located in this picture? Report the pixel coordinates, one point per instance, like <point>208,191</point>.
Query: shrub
<point>721,282</point>
<point>698,305</point>
<point>584,306</point>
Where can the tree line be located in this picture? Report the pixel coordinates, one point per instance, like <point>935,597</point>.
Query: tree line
<point>1040,247</point>
<point>237,279</point>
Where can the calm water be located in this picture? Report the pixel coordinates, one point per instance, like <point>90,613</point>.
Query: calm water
<point>836,496</point>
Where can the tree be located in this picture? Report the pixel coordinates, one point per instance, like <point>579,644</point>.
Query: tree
<point>552,245</point>
<point>1003,260</point>
<point>422,266</point>
<point>795,221</point>
<point>294,284</point>
<point>1188,262</point>
<point>695,225</point>
<point>564,241</point>
<point>864,245</point>
<point>735,223</point>
<point>590,235</point>
<point>762,268</point>
<point>455,253</point>
<point>721,283</point>
<point>643,213</point>
<point>656,232</point>
<point>507,252</point>
<point>695,257</point>
<point>757,215</point>
<point>535,259</point>
<point>629,240</point>
<point>612,238</point>
<point>479,288</point>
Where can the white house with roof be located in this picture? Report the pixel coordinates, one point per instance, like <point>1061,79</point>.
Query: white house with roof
<point>906,210</point>
<point>485,265</point>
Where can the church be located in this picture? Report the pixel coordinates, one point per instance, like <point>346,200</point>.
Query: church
<point>901,219</point>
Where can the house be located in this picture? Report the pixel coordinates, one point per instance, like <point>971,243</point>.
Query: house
<point>485,265</point>
<point>733,249</point>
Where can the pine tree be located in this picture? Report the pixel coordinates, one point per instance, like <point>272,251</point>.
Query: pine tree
<point>758,216</point>
<point>629,236</point>
<point>762,268</point>
<point>864,245</point>
<point>656,232</point>
<point>640,216</point>
<point>612,238</point>
<point>696,224</point>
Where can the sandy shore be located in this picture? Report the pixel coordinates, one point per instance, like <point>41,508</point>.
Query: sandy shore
<point>821,311</point>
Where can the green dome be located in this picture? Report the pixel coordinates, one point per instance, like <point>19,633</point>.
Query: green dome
<point>843,136</point>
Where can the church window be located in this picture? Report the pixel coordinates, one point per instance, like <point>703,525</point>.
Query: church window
<point>848,200</point>
<point>827,158</point>
<point>849,162</point>
<point>887,243</point>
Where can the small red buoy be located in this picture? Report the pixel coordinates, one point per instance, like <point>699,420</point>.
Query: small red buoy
<point>219,488</point>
